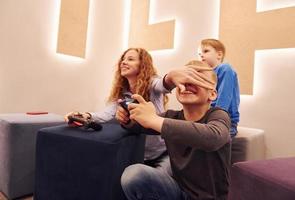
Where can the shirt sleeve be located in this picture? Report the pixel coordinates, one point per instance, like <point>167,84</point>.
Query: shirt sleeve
<point>225,88</point>
<point>157,85</point>
<point>105,115</point>
<point>208,137</point>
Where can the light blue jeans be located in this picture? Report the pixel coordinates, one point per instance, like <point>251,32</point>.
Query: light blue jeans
<point>143,182</point>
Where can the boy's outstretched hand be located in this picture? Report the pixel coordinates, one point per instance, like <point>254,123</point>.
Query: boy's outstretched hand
<point>144,113</point>
<point>188,74</point>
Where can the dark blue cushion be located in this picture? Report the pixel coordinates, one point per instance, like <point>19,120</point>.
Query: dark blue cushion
<point>73,163</point>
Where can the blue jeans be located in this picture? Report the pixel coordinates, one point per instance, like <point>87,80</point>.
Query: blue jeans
<point>147,183</point>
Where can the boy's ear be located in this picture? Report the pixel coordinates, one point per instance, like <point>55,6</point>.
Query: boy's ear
<point>219,54</point>
<point>212,95</point>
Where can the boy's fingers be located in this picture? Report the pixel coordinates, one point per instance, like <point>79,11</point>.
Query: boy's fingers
<point>139,98</point>
<point>132,106</point>
<point>181,87</point>
<point>205,77</point>
<point>134,113</point>
<point>205,85</point>
<point>199,69</point>
<point>201,83</point>
<point>199,76</point>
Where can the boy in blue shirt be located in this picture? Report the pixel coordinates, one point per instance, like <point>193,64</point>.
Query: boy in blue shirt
<point>212,52</point>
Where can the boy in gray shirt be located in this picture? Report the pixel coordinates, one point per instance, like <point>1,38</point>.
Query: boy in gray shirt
<point>198,143</point>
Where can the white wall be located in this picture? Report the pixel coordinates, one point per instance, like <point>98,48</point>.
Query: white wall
<point>270,108</point>
<point>34,78</point>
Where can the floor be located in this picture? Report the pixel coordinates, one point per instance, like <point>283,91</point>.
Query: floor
<point>2,197</point>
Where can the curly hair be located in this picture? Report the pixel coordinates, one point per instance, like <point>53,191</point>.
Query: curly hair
<point>144,77</point>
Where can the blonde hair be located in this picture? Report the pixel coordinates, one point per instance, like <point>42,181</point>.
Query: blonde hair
<point>211,74</point>
<point>216,44</point>
<point>144,77</point>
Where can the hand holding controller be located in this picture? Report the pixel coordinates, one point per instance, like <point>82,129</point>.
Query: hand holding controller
<point>125,102</point>
<point>79,121</point>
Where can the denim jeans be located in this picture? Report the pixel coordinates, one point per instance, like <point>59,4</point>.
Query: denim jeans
<point>142,182</point>
<point>161,163</point>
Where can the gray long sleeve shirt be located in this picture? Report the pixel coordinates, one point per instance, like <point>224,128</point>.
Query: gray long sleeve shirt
<point>199,152</point>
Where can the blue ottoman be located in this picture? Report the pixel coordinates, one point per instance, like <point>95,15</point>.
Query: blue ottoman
<point>18,132</point>
<point>74,163</point>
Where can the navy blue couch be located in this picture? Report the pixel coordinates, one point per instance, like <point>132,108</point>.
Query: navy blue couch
<point>77,164</point>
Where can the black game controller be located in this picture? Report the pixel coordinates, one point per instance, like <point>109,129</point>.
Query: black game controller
<point>125,102</point>
<point>82,122</point>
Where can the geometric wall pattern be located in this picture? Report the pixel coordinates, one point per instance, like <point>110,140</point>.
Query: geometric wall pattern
<point>73,21</point>
<point>149,36</point>
<point>243,30</point>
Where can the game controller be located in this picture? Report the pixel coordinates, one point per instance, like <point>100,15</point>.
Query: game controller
<point>125,102</point>
<point>79,121</point>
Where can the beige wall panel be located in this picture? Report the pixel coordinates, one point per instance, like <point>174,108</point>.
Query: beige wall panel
<point>73,22</point>
<point>243,31</point>
<point>151,37</point>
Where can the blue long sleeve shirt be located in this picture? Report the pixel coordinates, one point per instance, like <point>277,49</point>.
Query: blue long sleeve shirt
<point>228,94</point>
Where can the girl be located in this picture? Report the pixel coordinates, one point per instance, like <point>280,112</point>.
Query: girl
<point>135,74</point>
